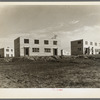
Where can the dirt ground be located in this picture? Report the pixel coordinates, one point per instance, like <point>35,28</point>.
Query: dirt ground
<point>70,73</point>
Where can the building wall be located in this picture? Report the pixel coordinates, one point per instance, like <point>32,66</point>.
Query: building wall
<point>94,49</point>
<point>17,47</point>
<point>2,52</point>
<point>77,47</point>
<point>85,47</point>
<point>41,46</point>
<point>7,52</point>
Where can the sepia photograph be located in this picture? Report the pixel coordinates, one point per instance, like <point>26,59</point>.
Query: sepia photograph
<point>49,46</point>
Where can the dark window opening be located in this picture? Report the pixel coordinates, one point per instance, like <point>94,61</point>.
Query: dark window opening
<point>26,40</point>
<point>47,49</point>
<point>46,42</point>
<point>36,41</point>
<point>35,49</point>
<point>55,42</point>
<point>91,43</point>
<point>95,44</point>
<point>79,49</point>
<point>79,42</point>
<point>12,50</point>
<point>7,50</point>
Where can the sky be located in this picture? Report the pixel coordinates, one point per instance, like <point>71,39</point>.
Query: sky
<point>68,22</point>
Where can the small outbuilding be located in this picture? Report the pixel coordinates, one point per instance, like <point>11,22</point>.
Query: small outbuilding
<point>65,52</point>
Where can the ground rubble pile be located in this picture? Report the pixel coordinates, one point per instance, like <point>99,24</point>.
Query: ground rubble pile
<point>48,58</point>
<point>36,59</point>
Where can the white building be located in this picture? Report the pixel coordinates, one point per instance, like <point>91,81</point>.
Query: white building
<point>80,47</point>
<point>6,52</point>
<point>28,46</point>
<point>65,52</point>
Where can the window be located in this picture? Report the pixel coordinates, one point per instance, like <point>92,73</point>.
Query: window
<point>55,42</point>
<point>36,41</point>
<point>91,43</point>
<point>46,42</point>
<point>95,44</point>
<point>79,42</point>
<point>35,49</point>
<point>12,50</point>
<point>26,40</point>
<point>47,50</point>
<point>79,49</point>
<point>7,50</point>
<point>86,42</point>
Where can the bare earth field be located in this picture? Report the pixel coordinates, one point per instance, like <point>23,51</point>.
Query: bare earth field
<point>63,73</point>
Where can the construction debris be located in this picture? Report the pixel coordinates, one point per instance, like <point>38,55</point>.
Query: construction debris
<point>47,58</point>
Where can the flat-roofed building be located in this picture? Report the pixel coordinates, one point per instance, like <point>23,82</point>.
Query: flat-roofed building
<point>6,52</point>
<point>28,46</point>
<point>80,47</point>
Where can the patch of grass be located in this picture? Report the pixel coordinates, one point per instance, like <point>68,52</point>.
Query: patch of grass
<point>68,73</point>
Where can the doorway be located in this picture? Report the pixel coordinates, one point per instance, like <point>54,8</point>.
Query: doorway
<point>87,51</point>
<point>55,52</point>
<point>26,51</point>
